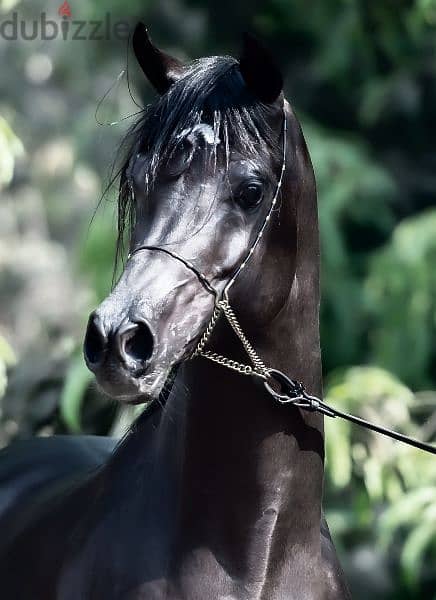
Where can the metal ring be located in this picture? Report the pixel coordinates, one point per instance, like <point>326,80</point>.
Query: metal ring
<point>288,387</point>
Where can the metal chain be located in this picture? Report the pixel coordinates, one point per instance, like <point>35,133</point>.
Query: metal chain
<point>254,357</point>
<point>230,364</point>
<point>259,369</point>
<point>208,331</point>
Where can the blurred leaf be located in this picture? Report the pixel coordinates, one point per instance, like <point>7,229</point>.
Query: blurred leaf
<point>3,379</point>
<point>405,511</point>
<point>7,355</point>
<point>7,5</point>
<point>77,380</point>
<point>97,251</point>
<point>358,390</point>
<point>338,455</point>
<point>7,360</point>
<point>361,387</point>
<point>10,148</point>
<point>401,295</point>
<point>412,556</point>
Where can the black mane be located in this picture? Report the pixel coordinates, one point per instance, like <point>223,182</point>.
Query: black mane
<point>210,91</point>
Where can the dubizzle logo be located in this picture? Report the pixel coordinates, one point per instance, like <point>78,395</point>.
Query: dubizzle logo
<point>67,29</point>
<point>65,10</point>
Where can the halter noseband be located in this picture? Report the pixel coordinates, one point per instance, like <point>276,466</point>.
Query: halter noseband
<point>281,387</point>
<point>187,263</point>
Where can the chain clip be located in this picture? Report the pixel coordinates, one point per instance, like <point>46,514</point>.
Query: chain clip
<point>290,391</point>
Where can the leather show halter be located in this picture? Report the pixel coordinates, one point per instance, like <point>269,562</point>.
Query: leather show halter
<point>281,387</point>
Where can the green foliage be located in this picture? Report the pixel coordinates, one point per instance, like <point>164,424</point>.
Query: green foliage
<point>399,481</point>
<point>376,395</point>
<point>10,148</point>
<point>401,295</point>
<point>77,380</point>
<point>355,197</point>
<point>7,360</point>
<point>96,253</point>
<point>415,515</point>
<point>7,5</point>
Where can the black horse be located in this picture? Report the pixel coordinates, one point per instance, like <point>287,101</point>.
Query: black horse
<point>216,491</point>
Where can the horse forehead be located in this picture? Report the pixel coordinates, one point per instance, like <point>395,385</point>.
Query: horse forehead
<point>199,134</point>
<point>202,131</point>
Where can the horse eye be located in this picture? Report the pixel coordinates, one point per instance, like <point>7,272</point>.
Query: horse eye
<point>250,196</point>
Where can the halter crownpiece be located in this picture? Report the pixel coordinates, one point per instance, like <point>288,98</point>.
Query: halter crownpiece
<point>280,387</point>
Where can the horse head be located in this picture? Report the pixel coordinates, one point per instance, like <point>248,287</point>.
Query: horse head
<point>195,188</point>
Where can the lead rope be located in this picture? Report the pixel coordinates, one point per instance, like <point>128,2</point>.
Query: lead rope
<point>281,387</point>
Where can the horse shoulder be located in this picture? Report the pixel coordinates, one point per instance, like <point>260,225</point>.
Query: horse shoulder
<point>35,473</point>
<point>28,466</point>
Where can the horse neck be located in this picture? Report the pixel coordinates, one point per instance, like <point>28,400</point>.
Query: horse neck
<point>253,470</point>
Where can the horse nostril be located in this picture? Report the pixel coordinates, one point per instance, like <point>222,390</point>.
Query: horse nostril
<point>136,343</point>
<point>95,342</point>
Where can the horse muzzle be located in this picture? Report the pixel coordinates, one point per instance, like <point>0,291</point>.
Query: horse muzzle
<point>150,322</point>
<point>121,357</point>
<point>132,342</point>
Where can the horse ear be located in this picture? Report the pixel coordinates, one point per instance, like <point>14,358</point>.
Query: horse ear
<point>259,71</point>
<point>161,69</point>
